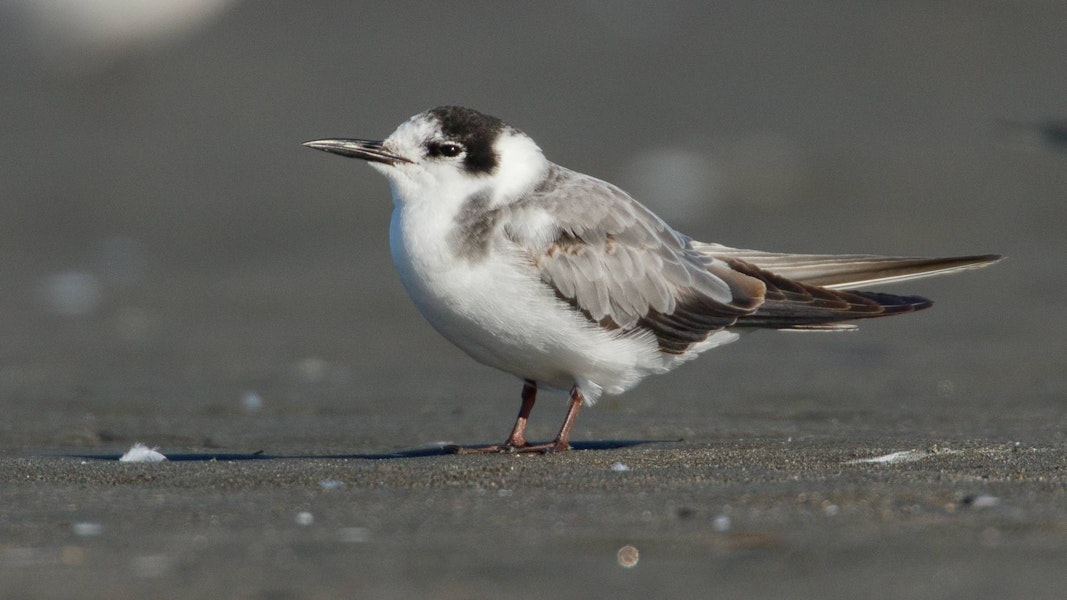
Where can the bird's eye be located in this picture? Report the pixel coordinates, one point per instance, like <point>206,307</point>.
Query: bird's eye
<point>447,149</point>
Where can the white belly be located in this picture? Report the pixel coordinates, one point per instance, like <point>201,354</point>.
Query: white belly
<point>497,310</point>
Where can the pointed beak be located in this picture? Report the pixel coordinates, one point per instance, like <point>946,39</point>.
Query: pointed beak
<point>368,150</point>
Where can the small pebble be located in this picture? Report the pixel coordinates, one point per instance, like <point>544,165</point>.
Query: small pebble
<point>627,556</point>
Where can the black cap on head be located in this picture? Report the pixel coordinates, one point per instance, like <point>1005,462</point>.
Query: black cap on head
<point>476,131</point>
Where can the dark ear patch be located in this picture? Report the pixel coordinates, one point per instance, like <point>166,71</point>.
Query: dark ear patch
<point>476,131</point>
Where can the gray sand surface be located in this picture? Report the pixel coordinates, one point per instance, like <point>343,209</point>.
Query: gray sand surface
<point>178,271</point>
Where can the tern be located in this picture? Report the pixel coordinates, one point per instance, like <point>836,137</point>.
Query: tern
<point>570,284</point>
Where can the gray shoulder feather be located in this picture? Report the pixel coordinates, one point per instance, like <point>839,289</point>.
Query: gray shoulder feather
<point>623,267</point>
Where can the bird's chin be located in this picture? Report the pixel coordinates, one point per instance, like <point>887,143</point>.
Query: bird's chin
<point>383,168</point>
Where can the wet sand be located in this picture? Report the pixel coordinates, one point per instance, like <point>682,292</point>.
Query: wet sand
<point>762,518</point>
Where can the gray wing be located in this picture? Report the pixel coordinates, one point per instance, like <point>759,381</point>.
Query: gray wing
<point>623,267</point>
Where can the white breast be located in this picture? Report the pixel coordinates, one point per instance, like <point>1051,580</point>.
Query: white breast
<point>499,312</point>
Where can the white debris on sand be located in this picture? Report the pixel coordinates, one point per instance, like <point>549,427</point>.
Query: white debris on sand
<point>141,453</point>
<point>894,457</point>
<point>982,501</point>
<point>904,456</point>
<point>87,528</point>
<point>722,523</point>
<point>619,467</point>
<point>251,401</point>
<point>907,456</point>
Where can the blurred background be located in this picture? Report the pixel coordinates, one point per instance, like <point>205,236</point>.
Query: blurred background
<point>176,265</point>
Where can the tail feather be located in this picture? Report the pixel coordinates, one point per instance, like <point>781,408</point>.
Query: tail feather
<point>847,270</point>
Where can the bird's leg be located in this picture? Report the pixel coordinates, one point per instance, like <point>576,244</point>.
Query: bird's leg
<point>517,439</point>
<point>562,441</point>
<point>516,442</point>
<point>563,438</point>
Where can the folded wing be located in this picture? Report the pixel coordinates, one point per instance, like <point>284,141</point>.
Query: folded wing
<point>624,269</point>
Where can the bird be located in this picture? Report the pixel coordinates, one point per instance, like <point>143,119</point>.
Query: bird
<point>572,285</point>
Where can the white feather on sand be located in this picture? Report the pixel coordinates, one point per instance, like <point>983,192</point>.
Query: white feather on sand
<point>141,453</point>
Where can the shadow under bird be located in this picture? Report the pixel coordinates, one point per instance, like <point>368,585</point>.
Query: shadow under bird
<point>570,284</point>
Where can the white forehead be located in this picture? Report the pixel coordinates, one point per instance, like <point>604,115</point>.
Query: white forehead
<point>413,132</point>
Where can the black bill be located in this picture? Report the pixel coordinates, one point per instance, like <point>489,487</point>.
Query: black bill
<point>369,150</point>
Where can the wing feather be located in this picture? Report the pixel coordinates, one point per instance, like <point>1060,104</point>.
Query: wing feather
<point>624,269</point>
<point>622,266</point>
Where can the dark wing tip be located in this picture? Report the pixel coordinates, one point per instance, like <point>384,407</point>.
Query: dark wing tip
<point>791,304</point>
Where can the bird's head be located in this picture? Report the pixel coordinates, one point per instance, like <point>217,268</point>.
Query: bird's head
<point>449,152</point>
